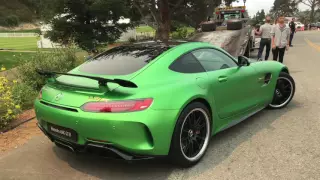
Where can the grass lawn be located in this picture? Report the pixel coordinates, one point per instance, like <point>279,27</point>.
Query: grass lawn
<point>11,59</point>
<point>191,29</point>
<point>19,43</point>
<point>144,29</point>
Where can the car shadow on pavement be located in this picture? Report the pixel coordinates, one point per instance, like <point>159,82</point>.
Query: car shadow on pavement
<point>105,168</point>
<point>221,147</point>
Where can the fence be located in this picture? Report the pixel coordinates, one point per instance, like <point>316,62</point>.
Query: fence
<point>19,34</point>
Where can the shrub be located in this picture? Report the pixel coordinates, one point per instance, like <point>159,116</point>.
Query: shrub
<point>132,40</point>
<point>59,60</point>
<point>175,25</point>
<point>24,95</point>
<point>11,21</point>
<point>181,33</point>
<point>8,108</point>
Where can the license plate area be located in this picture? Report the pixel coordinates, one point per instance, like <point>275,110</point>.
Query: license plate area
<point>62,132</point>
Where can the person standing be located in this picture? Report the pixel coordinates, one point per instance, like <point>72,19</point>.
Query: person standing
<point>265,32</point>
<point>280,39</point>
<point>273,26</point>
<point>292,26</point>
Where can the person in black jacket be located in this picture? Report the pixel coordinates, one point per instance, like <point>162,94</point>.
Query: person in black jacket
<point>292,26</point>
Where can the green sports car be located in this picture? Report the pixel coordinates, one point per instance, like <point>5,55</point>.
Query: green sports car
<point>152,99</point>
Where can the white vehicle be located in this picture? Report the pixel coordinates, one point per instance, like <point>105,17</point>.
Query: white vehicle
<point>299,25</point>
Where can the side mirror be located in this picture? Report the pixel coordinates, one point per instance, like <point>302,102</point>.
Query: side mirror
<point>243,61</point>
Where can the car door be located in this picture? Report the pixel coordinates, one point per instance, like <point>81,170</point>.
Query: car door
<point>234,89</point>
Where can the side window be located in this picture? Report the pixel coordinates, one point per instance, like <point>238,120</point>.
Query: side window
<point>213,60</point>
<point>187,64</point>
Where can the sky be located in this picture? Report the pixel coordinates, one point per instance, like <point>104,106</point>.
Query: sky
<point>254,6</point>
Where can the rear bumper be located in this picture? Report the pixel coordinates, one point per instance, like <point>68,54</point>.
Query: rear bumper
<point>144,133</point>
<point>98,148</point>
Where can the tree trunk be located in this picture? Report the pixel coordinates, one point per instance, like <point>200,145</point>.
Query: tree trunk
<point>163,30</point>
<point>313,6</point>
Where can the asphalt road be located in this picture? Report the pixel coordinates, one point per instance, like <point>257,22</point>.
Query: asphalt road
<point>282,144</point>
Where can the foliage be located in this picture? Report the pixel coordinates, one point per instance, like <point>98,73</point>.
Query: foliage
<point>10,21</point>
<point>284,8</point>
<point>259,17</point>
<point>181,33</point>
<point>59,60</point>
<point>229,2</point>
<point>8,108</point>
<point>314,7</point>
<point>132,40</point>
<point>18,8</point>
<point>89,23</point>
<point>23,94</point>
<point>167,14</point>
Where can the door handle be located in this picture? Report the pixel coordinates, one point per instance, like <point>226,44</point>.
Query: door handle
<point>222,78</point>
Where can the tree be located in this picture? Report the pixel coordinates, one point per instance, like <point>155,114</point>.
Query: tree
<point>303,16</point>
<point>313,7</point>
<point>284,7</point>
<point>262,15</point>
<point>163,12</point>
<point>259,17</point>
<point>229,2</point>
<point>88,23</point>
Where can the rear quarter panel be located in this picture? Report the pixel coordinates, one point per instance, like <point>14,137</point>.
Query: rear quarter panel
<point>171,90</point>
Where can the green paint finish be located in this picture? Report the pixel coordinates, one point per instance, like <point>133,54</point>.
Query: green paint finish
<point>232,94</point>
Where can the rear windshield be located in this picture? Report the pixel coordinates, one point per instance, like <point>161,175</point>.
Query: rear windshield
<point>122,60</point>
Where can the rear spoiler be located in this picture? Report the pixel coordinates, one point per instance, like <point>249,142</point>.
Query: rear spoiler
<point>101,81</point>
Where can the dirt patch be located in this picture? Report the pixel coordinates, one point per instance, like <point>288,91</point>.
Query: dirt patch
<point>21,134</point>
<point>22,118</point>
<point>18,136</point>
<point>22,26</point>
<point>114,45</point>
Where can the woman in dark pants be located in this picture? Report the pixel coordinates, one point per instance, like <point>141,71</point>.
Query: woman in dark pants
<point>280,39</point>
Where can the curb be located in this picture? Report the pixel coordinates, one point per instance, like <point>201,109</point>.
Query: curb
<point>16,125</point>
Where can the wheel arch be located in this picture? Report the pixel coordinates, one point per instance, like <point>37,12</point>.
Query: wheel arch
<point>202,100</point>
<point>285,69</point>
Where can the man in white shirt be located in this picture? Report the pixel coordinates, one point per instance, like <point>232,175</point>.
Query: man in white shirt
<point>265,32</point>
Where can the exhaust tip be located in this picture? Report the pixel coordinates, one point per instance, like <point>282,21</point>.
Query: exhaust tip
<point>63,145</point>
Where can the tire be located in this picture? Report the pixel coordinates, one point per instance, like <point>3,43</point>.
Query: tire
<point>234,24</point>
<point>208,26</point>
<point>180,156</point>
<point>283,81</point>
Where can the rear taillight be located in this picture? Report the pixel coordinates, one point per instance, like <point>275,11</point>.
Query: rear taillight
<point>118,106</point>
